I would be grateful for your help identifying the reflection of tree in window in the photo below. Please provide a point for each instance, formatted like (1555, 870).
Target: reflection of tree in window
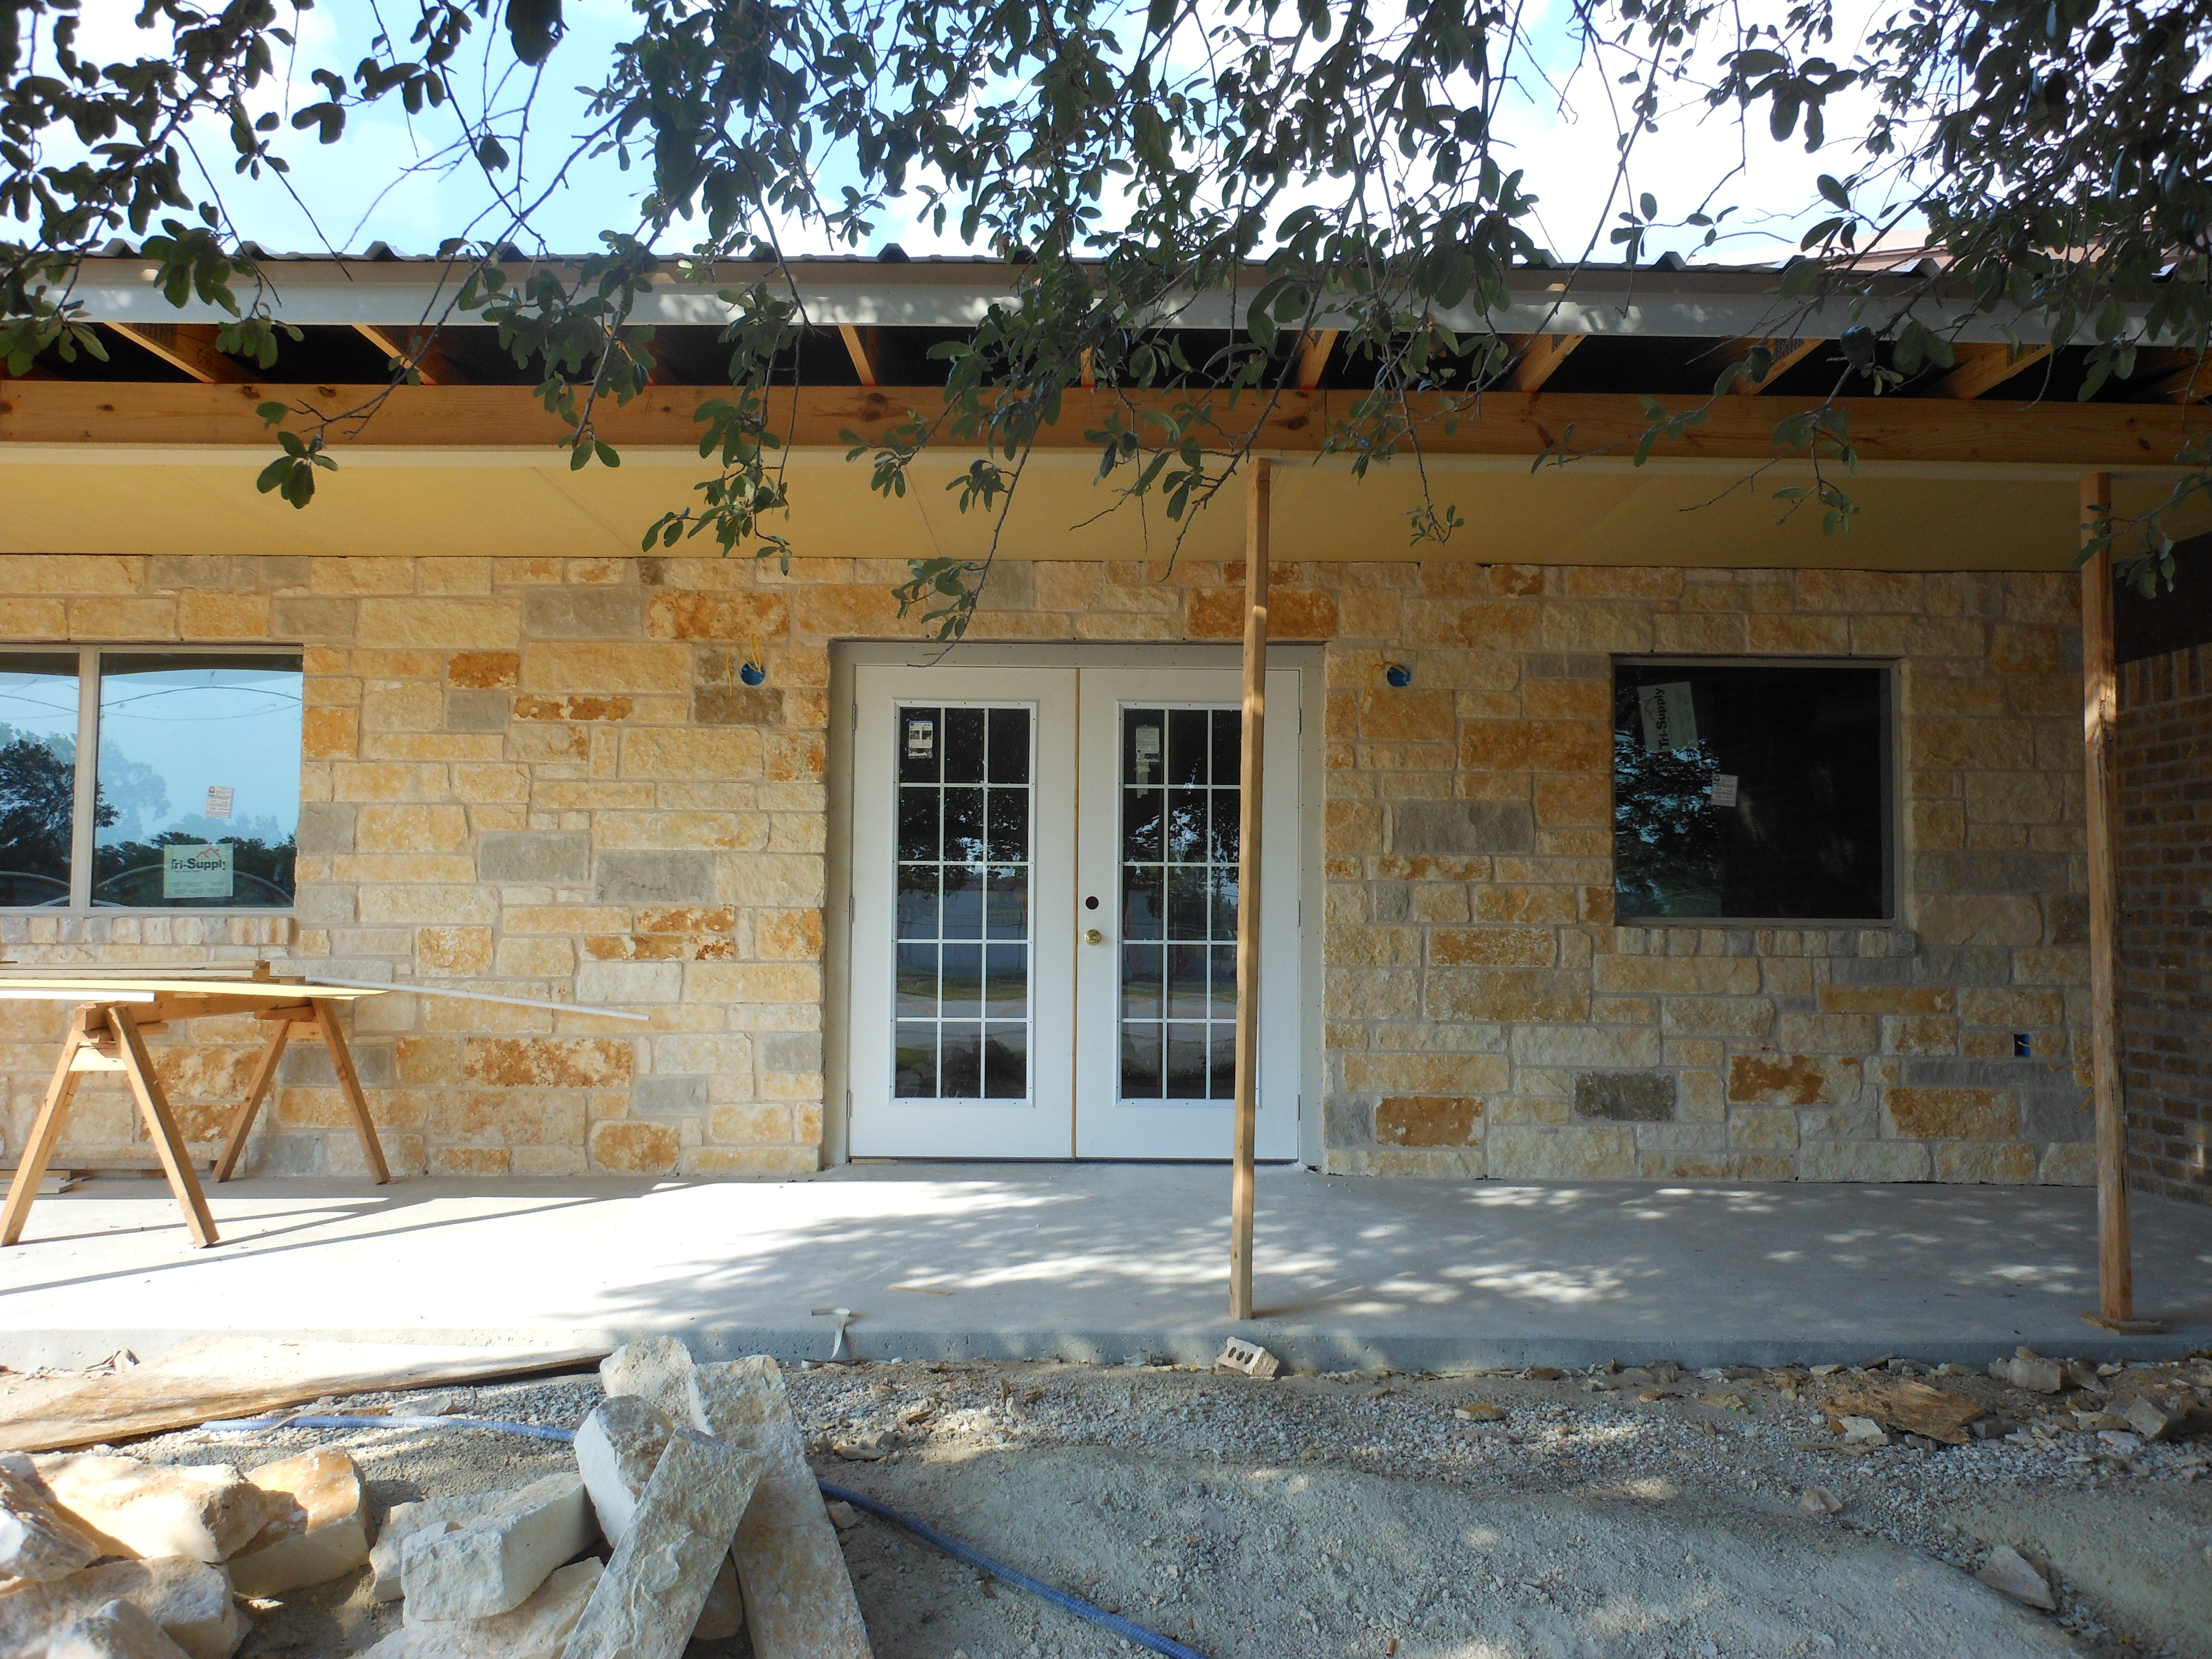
(1667, 850)
(38, 807)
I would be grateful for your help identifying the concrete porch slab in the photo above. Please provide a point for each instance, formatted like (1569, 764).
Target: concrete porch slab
(1105, 1262)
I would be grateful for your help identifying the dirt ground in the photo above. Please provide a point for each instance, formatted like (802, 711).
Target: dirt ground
(1635, 1513)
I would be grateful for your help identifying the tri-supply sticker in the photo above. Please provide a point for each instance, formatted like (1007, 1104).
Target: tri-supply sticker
(219, 797)
(1670, 717)
(1724, 788)
(202, 871)
(920, 738)
(1148, 751)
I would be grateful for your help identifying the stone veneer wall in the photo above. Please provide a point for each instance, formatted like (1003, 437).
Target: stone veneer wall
(543, 776)
(2165, 921)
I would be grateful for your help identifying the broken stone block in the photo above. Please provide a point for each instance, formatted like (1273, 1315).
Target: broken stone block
(317, 1530)
(538, 1629)
(2032, 1372)
(2153, 1421)
(650, 1598)
(206, 1512)
(492, 1564)
(39, 1541)
(189, 1599)
(653, 1369)
(798, 1597)
(1818, 1500)
(2009, 1573)
(1862, 1431)
(402, 1520)
(1479, 1411)
(617, 1448)
(117, 1630)
(2081, 1374)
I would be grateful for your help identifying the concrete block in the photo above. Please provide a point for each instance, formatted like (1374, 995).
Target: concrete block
(491, 1564)
(39, 1541)
(658, 1370)
(316, 1528)
(798, 1597)
(649, 1601)
(191, 1602)
(655, 878)
(117, 1630)
(519, 855)
(538, 1629)
(206, 1512)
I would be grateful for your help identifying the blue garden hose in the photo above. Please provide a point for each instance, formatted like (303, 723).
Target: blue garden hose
(1151, 1639)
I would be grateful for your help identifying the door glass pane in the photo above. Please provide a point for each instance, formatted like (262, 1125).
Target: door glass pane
(962, 1008)
(1179, 805)
(199, 780)
(38, 775)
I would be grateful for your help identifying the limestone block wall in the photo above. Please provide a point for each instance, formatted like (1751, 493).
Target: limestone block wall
(545, 777)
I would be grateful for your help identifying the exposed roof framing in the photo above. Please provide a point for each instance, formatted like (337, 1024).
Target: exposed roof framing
(1785, 356)
(1313, 358)
(1540, 355)
(1983, 367)
(861, 346)
(189, 347)
(429, 362)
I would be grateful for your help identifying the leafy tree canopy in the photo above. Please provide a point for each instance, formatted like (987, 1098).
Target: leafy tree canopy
(1127, 156)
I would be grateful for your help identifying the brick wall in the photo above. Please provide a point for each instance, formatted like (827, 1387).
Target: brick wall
(2165, 921)
(543, 777)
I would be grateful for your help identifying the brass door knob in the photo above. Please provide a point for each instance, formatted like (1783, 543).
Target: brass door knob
(1092, 936)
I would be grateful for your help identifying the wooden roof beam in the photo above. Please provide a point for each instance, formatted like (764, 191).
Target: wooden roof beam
(429, 362)
(1984, 367)
(189, 347)
(861, 346)
(1541, 354)
(2188, 383)
(1313, 357)
(1784, 355)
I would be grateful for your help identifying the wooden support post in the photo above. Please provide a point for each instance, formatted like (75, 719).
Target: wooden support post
(2116, 1296)
(326, 1022)
(160, 1124)
(264, 1074)
(1251, 781)
(45, 1131)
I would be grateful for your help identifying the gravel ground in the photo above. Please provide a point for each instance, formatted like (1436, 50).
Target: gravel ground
(1634, 1513)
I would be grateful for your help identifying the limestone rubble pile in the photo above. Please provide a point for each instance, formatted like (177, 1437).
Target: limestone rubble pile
(695, 1477)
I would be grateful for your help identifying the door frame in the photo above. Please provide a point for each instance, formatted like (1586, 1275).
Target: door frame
(846, 656)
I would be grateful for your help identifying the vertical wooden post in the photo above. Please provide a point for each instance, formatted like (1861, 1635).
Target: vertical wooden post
(1250, 781)
(2116, 1296)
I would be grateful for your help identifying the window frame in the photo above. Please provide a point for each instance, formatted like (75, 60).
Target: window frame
(1892, 773)
(83, 833)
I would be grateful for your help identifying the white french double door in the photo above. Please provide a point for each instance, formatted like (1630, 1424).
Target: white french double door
(1045, 910)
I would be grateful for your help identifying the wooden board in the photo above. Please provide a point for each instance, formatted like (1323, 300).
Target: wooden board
(95, 986)
(215, 1376)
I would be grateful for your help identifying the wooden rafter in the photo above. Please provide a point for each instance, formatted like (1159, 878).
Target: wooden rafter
(2190, 380)
(429, 362)
(861, 346)
(187, 346)
(1984, 367)
(1313, 357)
(1785, 355)
(1541, 354)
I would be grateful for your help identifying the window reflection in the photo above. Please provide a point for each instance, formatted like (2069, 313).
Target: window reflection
(38, 775)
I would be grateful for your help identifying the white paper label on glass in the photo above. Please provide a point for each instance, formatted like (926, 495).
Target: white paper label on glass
(1670, 717)
(219, 798)
(196, 870)
(920, 739)
(1724, 788)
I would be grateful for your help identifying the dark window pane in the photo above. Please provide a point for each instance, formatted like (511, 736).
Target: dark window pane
(918, 822)
(1187, 998)
(199, 773)
(1009, 745)
(1006, 981)
(1187, 905)
(919, 737)
(1009, 811)
(964, 824)
(917, 981)
(1224, 903)
(1189, 747)
(38, 777)
(961, 1051)
(963, 746)
(1188, 1065)
(1221, 1084)
(1141, 981)
(1141, 1062)
(963, 900)
(1226, 828)
(1751, 792)
(914, 1062)
(1228, 746)
(1140, 824)
(1006, 1061)
(962, 990)
(1186, 826)
(1140, 902)
(1223, 998)
(1143, 746)
(917, 900)
(1007, 915)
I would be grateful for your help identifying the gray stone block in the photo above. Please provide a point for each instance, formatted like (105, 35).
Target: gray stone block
(797, 1052)
(310, 620)
(1962, 965)
(478, 711)
(324, 904)
(583, 613)
(669, 1096)
(307, 1064)
(1389, 902)
(523, 855)
(1346, 1121)
(737, 705)
(655, 878)
(2047, 1114)
(1989, 870)
(1626, 1096)
(1464, 827)
(1949, 1072)
(327, 827)
(1870, 970)
(276, 569)
(205, 573)
(284, 1155)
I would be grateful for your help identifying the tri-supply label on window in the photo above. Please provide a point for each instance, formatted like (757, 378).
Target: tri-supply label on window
(1148, 751)
(196, 870)
(1670, 717)
(1724, 788)
(920, 738)
(219, 797)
